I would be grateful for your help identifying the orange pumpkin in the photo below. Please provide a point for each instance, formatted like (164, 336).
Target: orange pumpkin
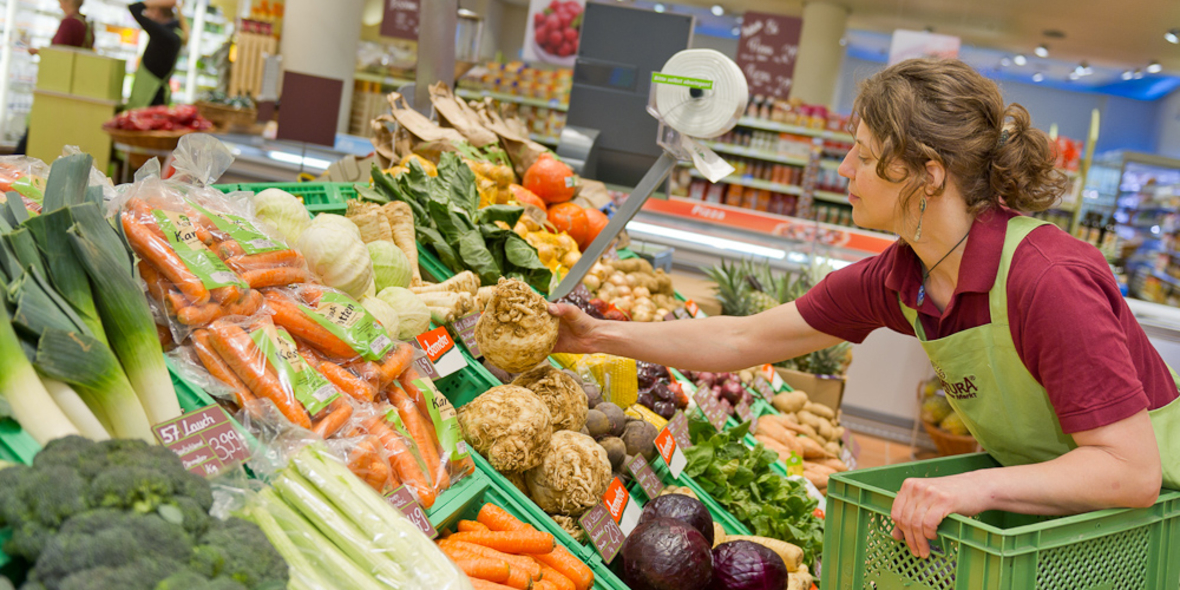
(550, 179)
(595, 221)
(571, 219)
(525, 196)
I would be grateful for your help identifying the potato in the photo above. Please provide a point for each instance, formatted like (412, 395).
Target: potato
(809, 419)
(824, 428)
(812, 449)
(838, 433)
(820, 410)
(832, 447)
(789, 401)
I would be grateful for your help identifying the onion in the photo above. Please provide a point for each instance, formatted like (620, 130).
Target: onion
(707, 377)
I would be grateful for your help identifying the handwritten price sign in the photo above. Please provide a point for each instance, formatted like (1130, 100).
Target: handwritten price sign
(642, 472)
(714, 412)
(404, 501)
(205, 440)
(604, 532)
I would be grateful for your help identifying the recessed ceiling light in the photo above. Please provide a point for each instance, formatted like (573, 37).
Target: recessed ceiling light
(1005, 62)
(1173, 36)
(1154, 67)
(737, 31)
(1074, 75)
(1083, 69)
(1019, 59)
(658, 7)
(718, 10)
(1038, 77)
(1042, 50)
(1137, 74)
(1127, 75)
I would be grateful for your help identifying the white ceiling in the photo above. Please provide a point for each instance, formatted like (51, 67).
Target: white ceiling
(1112, 33)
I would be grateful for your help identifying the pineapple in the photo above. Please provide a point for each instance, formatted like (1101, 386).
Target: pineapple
(746, 289)
(733, 291)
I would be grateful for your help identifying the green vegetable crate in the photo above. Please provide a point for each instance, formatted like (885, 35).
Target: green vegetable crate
(1104, 550)
(318, 197)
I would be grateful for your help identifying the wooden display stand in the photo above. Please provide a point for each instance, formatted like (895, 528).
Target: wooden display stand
(77, 91)
(821, 389)
(252, 51)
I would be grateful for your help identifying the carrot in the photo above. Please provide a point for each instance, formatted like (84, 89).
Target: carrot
(248, 305)
(229, 248)
(571, 567)
(367, 370)
(514, 577)
(395, 364)
(367, 463)
(157, 286)
(402, 460)
(422, 431)
(156, 251)
(510, 541)
(201, 224)
(340, 412)
(544, 584)
(485, 569)
(226, 295)
(471, 525)
(174, 300)
(265, 260)
(559, 580)
(311, 293)
(238, 351)
(407, 382)
(359, 389)
(199, 315)
(518, 562)
(481, 584)
(497, 519)
(288, 315)
(274, 277)
(217, 367)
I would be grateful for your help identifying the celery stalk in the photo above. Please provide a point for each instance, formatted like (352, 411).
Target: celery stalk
(125, 314)
(71, 404)
(358, 545)
(304, 547)
(19, 386)
(377, 518)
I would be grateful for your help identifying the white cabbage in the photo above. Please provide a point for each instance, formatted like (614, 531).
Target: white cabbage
(391, 268)
(282, 212)
(413, 315)
(336, 255)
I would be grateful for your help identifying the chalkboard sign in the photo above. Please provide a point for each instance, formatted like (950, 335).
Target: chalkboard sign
(767, 51)
(401, 19)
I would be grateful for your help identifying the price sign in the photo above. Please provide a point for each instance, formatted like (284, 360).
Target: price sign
(669, 444)
(714, 412)
(440, 349)
(764, 388)
(771, 375)
(642, 472)
(205, 440)
(618, 501)
(604, 532)
(465, 329)
(403, 499)
(692, 308)
(746, 414)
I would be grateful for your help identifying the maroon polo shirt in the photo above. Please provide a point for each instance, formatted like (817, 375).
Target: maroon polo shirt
(1071, 326)
(74, 32)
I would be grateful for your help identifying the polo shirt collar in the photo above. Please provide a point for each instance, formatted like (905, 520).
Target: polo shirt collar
(977, 271)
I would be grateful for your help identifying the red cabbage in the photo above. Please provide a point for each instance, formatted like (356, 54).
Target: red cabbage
(744, 565)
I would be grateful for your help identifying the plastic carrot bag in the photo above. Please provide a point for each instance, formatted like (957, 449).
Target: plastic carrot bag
(407, 467)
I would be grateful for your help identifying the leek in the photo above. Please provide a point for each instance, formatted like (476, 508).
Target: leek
(65, 271)
(378, 519)
(76, 410)
(304, 547)
(124, 311)
(357, 545)
(85, 363)
(30, 404)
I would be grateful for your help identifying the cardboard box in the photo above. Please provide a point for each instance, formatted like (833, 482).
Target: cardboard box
(55, 73)
(98, 77)
(822, 389)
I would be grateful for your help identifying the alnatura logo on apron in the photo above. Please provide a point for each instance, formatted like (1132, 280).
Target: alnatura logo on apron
(965, 389)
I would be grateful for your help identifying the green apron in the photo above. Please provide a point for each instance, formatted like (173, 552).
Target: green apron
(145, 87)
(1003, 406)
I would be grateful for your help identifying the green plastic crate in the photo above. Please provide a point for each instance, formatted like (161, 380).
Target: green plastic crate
(1104, 550)
(16, 446)
(318, 197)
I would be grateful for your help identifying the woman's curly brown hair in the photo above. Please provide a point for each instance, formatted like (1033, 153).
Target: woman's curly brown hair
(943, 110)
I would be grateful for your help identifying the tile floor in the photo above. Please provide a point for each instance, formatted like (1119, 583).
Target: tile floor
(876, 452)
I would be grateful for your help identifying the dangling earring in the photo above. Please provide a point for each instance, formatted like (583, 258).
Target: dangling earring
(921, 214)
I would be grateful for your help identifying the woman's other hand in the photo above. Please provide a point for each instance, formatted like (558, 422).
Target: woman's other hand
(922, 504)
(576, 330)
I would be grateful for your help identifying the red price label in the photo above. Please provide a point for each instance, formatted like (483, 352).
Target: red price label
(403, 499)
(693, 309)
(205, 440)
(668, 444)
(618, 502)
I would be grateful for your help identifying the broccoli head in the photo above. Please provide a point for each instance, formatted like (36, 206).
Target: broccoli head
(187, 513)
(142, 574)
(188, 580)
(34, 502)
(239, 550)
(110, 539)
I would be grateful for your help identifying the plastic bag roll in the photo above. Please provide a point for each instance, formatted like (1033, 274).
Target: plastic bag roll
(699, 112)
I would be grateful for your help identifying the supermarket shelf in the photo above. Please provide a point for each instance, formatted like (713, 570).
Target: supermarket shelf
(783, 128)
(789, 189)
(544, 139)
(829, 163)
(831, 197)
(478, 94)
(379, 79)
(1170, 280)
(767, 155)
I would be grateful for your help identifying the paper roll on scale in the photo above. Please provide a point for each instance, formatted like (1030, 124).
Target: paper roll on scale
(702, 112)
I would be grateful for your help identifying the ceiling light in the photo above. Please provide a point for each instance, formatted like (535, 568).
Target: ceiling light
(1127, 75)
(658, 7)
(718, 10)
(1074, 75)
(736, 31)
(1005, 62)
(1042, 50)
(1019, 59)
(1137, 74)
(843, 41)
(1154, 67)
(1038, 77)
(1173, 36)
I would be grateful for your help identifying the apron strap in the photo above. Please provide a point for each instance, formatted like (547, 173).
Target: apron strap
(911, 316)
(1018, 228)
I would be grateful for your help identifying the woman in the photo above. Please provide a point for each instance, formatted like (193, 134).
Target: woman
(1024, 324)
(166, 36)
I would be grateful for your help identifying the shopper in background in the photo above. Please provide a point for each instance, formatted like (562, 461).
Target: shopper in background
(73, 31)
(167, 31)
(1025, 326)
